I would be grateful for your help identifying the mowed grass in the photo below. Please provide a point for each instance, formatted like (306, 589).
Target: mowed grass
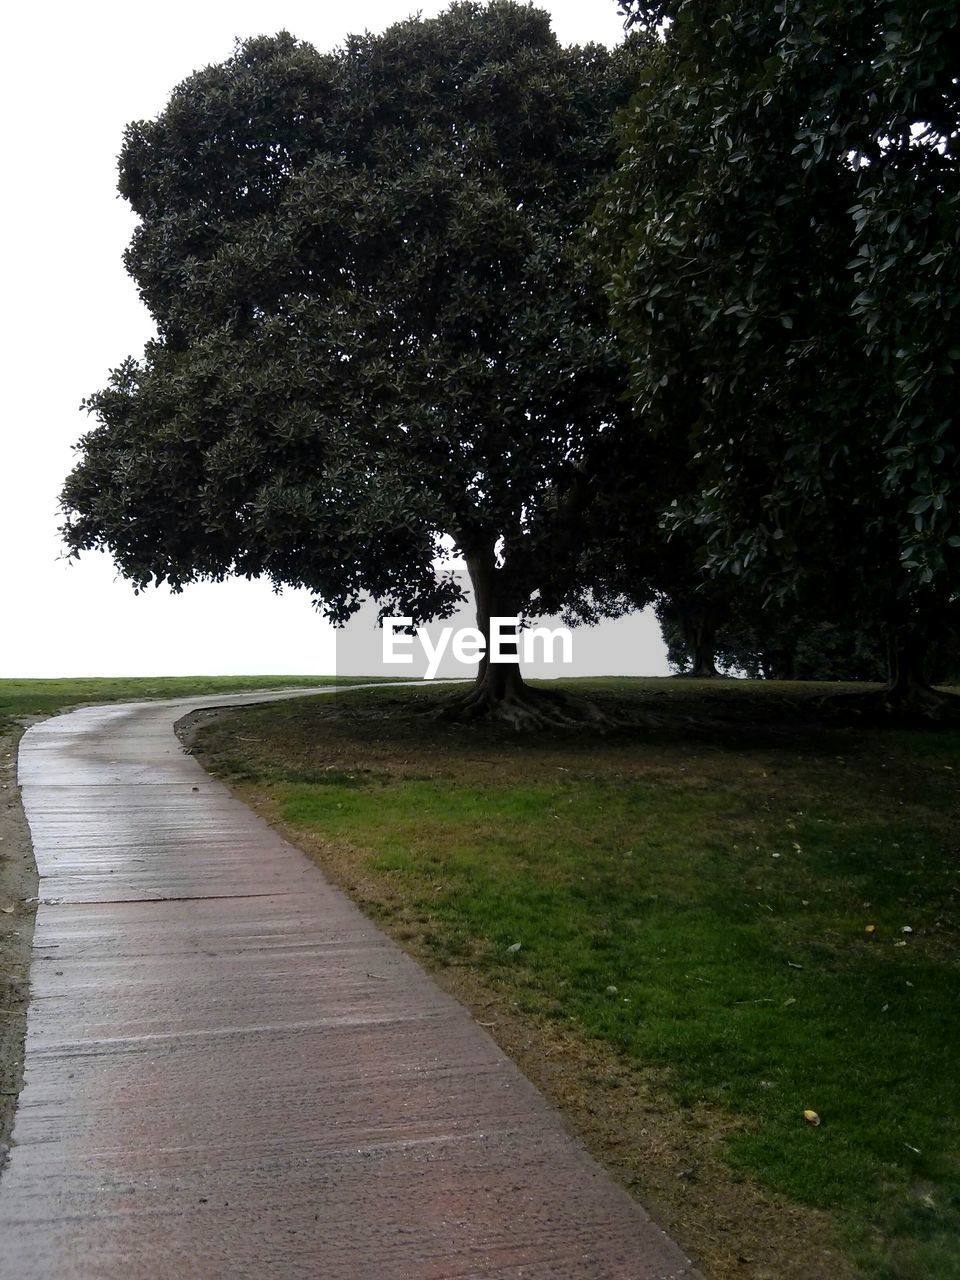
(46, 697)
(763, 907)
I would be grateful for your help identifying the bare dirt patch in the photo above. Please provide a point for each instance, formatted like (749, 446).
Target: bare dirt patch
(18, 890)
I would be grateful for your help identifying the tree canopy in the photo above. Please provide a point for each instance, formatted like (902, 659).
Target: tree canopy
(672, 322)
(783, 234)
(376, 334)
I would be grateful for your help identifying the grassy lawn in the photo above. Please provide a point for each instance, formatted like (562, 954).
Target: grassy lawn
(739, 906)
(46, 697)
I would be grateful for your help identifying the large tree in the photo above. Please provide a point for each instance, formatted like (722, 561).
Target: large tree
(377, 335)
(786, 276)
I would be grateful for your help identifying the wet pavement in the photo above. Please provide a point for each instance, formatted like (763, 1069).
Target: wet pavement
(230, 1072)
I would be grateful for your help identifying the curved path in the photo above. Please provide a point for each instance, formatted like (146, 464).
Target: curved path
(230, 1072)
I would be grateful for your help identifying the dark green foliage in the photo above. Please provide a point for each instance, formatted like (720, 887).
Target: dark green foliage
(374, 327)
(780, 645)
(782, 238)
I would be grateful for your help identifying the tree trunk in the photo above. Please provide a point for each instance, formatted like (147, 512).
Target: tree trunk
(908, 693)
(497, 680)
(499, 691)
(779, 664)
(699, 634)
(907, 686)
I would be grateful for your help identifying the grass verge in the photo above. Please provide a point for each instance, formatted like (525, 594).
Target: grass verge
(46, 697)
(737, 912)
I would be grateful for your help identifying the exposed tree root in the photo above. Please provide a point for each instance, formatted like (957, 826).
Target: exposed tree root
(524, 707)
(910, 704)
(920, 700)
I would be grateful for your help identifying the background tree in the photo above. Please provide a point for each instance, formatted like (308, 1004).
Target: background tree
(625, 557)
(785, 223)
(780, 644)
(376, 330)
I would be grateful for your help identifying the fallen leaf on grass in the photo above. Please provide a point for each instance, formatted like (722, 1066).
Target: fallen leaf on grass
(514, 947)
(811, 1117)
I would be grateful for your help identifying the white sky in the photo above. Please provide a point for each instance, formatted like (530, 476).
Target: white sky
(74, 76)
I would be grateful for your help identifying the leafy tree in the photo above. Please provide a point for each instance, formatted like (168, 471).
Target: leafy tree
(691, 628)
(772, 644)
(625, 559)
(377, 336)
(784, 226)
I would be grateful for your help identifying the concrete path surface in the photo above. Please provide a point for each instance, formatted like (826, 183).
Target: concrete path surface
(230, 1072)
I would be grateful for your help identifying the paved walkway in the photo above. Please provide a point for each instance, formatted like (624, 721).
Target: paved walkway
(230, 1072)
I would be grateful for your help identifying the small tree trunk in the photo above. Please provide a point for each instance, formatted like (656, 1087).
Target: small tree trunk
(779, 664)
(699, 633)
(907, 686)
(907, 692)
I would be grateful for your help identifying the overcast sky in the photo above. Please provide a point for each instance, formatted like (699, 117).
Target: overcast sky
(74, 76)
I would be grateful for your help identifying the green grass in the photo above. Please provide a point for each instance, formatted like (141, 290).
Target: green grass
(702, 906)
(46, 697)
